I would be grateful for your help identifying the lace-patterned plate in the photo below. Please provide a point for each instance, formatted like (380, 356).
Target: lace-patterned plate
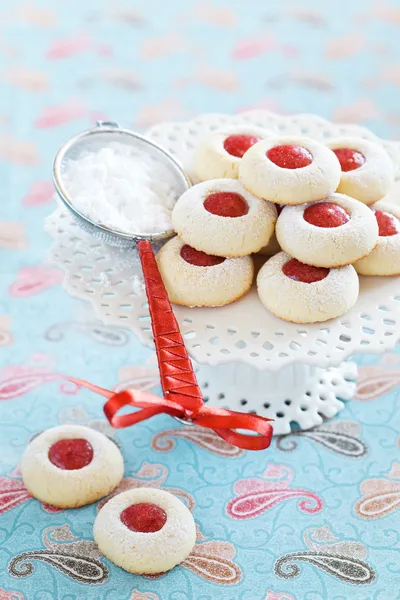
(243, 331)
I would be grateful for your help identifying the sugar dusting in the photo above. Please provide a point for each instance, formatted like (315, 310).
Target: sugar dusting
(121, 188)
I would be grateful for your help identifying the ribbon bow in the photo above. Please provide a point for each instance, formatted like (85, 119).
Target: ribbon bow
(221, 420)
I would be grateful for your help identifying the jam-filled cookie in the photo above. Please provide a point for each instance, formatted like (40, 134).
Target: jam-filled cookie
(220, 217)
(145, 531)
(194, 278)
(71, 465)
(334, 232)
(219, 154)
(367, 169)
(290, 170)
(301, 293)
(385, 257)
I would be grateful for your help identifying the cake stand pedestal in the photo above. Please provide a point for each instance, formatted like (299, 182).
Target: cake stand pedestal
(297, 396)
(246, 359)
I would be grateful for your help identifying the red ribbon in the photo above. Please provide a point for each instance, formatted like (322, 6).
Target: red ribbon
(222, 421)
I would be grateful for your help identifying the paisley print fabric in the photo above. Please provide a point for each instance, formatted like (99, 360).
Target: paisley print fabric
(315, 517)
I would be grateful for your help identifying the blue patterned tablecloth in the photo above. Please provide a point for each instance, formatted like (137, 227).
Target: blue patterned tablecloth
(317, 516)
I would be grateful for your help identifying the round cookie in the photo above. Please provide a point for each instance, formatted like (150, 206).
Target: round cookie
(334, 232)
(385, 257)
(71, 465)
(300, 293)
(219, 154)
(220, 217)
(290, 170)
(145, 531)
(367, 169)
(193, 278)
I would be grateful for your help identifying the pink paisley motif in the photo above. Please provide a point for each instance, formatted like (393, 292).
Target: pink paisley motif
(251, 47)
(10, 595)
(257, 495)
(18, 152)
(278, 596)
(213, 561)
(38, 363)
(360, 110)
(41, 17)
(40, 192)
(161, 46)
(254, 504)
(12, 235)
(275, 477)
(380, 497)
(27, 79)
(374, 381)
(136, 595)
(214, 15)
(218, 79)
(20, 385)
(150, 114)
(53, 116)
(17, 380)
(205, 438)
(389, 359)
(339, 48)
(34, 280)
(68, 46)
(6, 337)
(141, 377)
(12, 493)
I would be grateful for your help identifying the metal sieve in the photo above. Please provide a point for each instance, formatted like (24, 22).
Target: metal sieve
(94, 139)
(177, 376)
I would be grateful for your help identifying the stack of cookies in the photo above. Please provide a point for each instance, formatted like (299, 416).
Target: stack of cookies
(313, 206)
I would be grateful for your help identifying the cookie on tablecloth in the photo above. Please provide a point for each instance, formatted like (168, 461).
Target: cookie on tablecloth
(194, 278)
(71, 465)
(145, 531)
(301, 293)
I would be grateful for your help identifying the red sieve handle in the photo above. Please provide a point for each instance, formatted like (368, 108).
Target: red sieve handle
(178, 380)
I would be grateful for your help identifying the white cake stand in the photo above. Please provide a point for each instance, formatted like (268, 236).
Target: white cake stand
(246, 358)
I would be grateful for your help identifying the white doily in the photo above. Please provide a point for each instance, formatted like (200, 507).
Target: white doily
(244, 331)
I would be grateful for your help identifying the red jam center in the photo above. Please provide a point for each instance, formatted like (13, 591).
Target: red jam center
(144, 517)
(388, 224)
(226, 204)
(305, 273)
(71, 454)
(198, 258)
(290, 156)
(326, 214)
(238, 144)
(349, 159)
